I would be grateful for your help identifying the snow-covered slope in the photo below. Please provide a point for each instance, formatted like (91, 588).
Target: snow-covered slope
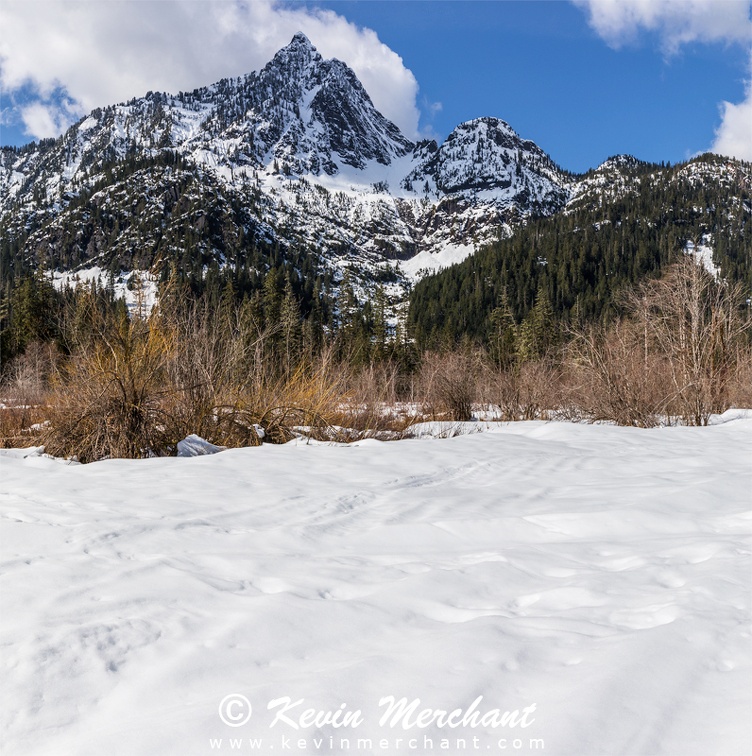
(488, 158)
(598, 574)
(612, 179)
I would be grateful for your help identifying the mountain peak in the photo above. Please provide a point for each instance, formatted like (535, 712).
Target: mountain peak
(615, 162)
(303, 118)
(490, 122)
(300, 41)
(305, 114)
(300, 48)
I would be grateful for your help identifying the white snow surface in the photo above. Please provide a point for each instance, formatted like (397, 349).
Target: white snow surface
(427, 262)
(703, 254)
(140, 296)
(195, 446)
(599, 574)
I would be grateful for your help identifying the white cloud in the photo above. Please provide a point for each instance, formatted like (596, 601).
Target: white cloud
(734, 136)
(100, 52)
(676, 21)
(45, 120)
(679, 22)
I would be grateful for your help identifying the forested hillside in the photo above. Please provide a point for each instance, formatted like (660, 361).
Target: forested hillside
(575, 264)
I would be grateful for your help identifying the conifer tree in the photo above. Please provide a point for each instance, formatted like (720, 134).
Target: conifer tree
(538, 331)
(503, 333)
(290, 325)
(380, 328)
(31, 311)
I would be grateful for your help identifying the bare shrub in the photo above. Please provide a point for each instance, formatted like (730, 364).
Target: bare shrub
(614, 377)
(374, 406)
(25, 383)
(106, 401)
(217, 359)
(309, 397)
(524, 391)
(696, 323)
(739, 386)
(26, 378)
(225, 380)
(21, 425)
(448, 384)
(679, 353)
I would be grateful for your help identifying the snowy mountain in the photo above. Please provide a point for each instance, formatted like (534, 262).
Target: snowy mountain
(486, 157)
(625, 221)
(293, 161)
(299, 145)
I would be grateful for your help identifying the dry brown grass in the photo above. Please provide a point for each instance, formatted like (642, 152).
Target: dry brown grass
(142, 386)
(21, 425)
(310, 397)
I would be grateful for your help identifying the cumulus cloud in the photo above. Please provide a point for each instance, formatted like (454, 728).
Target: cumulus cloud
(99, 52)
(734, 136)
(678, 22)
(45, 119)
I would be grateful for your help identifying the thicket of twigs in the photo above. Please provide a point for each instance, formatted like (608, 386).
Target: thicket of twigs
(133, 387)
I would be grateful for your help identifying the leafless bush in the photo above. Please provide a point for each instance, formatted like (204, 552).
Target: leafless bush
(695, 322)
(223, 383)
(739, 386)
(135, 388)
(374, 405)
(525, 391)
(448, 384)
(23, 391)
(107, 400)
(216, 359)
(612, 376)
(311, 396)
(26, 378)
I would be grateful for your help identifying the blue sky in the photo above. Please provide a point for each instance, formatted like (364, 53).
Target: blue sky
(540, 67)
(584, 79)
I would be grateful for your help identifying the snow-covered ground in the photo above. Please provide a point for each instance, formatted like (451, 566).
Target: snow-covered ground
(139, 288)
(594, 579)
(427, 262)
(703, 254)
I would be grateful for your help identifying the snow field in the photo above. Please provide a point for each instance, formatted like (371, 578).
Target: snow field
(601, 574)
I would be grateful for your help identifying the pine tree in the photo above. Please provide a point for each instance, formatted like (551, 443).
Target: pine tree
(289, 319)
(313, 327)
(503, 333)
(31, 311)
(380, 326)
(538, 332)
